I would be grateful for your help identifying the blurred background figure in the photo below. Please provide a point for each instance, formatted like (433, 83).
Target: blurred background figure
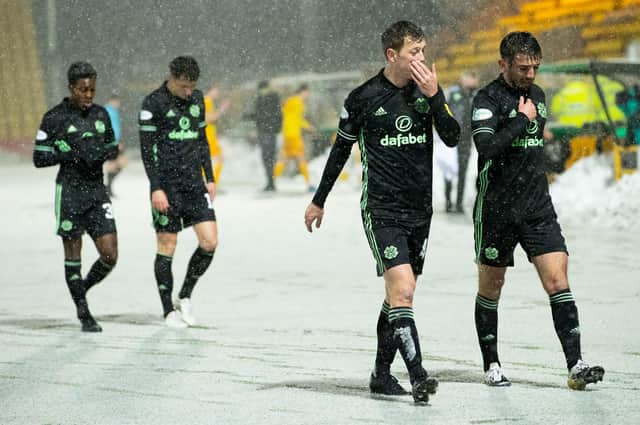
(268, 118)
(447, 160)
(114, 167)
(293, 125)
(460, 99)
(212, 114)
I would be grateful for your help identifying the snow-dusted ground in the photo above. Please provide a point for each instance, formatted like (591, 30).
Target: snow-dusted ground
(287, 332)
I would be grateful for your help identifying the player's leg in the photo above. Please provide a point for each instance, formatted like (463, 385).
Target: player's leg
(107, 247)
(389, 244)
(201, 215)
(381, 380)
(69, 208)
(73, 277)
(490, 282)
(207, 233)
(545, 245)
(101, 226)
(166, 246)
(495, 243)
(400, 285)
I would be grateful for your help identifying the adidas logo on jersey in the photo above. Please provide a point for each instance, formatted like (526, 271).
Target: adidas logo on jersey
(380, 112)
(513, 113)
(72, 129)
(171, 114)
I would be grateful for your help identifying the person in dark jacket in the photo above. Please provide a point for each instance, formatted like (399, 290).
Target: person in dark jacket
(268, 117)
(460, 100)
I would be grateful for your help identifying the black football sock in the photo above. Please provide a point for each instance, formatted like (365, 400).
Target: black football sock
(198, 264)
(73, 277)
(97, 273)
(386, 350)
(405, 338)
(486, 317)
(565, 320)
(164, 279)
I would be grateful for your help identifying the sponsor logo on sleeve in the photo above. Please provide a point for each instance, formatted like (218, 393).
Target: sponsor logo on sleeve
(481, 114)
(145, 115)
(344, 114)
(41, 135)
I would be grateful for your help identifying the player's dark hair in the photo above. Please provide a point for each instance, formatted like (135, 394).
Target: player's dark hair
(263, 84)
(519, 42)
(302, 87)
(185, 66)
(80, 70)
(393, 37)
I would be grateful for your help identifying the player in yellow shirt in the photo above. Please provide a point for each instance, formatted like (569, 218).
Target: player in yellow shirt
(211, 117)
(293, 124)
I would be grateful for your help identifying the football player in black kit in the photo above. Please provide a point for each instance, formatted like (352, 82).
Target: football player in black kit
(175, 153)
(77, 135)
(391, 118)
(513, 206)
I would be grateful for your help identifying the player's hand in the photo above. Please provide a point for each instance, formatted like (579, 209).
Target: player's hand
(159, 201)
(425, 78)
(313, 213)
(527, 108)
(211, 189)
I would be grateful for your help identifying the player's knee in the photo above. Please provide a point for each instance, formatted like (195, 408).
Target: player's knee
(167, 246)
(404, 295)
(491, 287)
(557, 283)
(209, 245)
(110, 256)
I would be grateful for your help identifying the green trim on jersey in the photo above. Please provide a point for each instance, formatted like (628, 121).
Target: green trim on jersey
(41, 148)
(368, 226)
(484, 184)
(149, 128)
(58, 203)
